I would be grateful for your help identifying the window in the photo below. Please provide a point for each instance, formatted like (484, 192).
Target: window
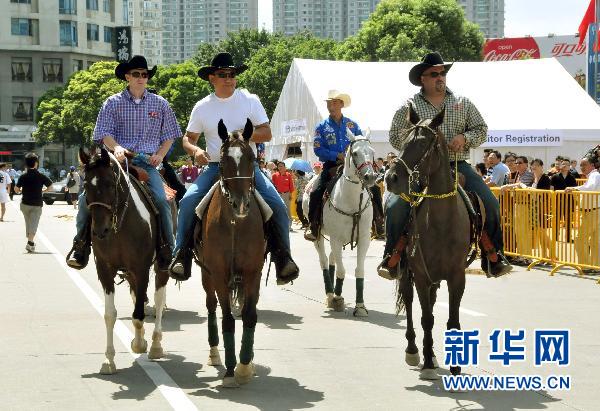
(67, 6)
(21, 1)
(106, 6)
(68, 33)
(21, 27)
(22, 108)
(77, 65)
(91, 4)
(93, 32)
(21, 69)
(52, 70)
(108, 34)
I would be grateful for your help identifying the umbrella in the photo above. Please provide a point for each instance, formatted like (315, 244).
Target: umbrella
(297, 164)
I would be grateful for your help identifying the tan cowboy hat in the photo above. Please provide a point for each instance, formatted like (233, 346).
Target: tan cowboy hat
(336, 95)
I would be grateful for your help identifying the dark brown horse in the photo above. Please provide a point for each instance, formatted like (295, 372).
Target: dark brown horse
(124, 238)
(439, 233)
(231, 253)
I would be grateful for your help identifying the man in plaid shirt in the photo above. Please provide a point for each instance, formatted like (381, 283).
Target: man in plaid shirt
(140, 122)
(464, 128)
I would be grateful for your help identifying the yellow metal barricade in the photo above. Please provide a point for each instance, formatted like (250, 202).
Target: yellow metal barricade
(580, 181)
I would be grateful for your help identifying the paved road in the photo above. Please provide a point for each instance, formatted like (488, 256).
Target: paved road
(53, 339)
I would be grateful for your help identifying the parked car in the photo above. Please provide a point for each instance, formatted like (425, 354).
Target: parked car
(57, 192)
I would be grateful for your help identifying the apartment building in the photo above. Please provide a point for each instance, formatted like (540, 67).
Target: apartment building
(489, 14)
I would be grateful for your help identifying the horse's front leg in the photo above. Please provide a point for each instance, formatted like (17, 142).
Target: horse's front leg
(326, 268)
(245, 369)
(110, 317)
(412, 357)
(336, 251)
(428, 371)
(361, 253)
(456, 287)
(228, 326)
(139, 345)
(214, 358)
(432, 299)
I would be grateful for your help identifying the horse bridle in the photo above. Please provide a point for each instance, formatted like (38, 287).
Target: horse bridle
(222, 180)
(117, 219)
(357, 166)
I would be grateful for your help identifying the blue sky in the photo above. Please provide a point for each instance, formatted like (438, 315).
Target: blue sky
(522, 17)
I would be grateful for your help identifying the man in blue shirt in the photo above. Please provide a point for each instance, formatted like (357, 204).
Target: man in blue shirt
(330, 145)
(140, 122)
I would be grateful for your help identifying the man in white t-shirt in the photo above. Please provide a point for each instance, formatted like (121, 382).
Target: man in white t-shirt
(234, 107)
(5, 182)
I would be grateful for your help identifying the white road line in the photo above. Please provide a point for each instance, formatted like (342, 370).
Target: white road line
(168, 388)
(462, 310)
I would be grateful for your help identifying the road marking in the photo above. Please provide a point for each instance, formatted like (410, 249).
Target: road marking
(168, 388)
(462, 310)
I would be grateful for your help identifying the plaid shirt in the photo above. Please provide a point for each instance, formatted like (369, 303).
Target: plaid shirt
(462, 117)
(142, 127)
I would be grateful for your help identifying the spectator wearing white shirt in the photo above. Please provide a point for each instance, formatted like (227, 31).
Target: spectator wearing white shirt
(499, 170)
(5, 182)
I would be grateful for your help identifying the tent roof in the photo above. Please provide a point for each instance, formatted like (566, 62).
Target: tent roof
(511, 95)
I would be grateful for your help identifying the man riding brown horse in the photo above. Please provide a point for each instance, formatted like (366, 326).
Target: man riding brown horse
(464, 128)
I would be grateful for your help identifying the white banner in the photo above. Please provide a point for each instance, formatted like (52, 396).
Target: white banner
(296, 127)
(508, 138)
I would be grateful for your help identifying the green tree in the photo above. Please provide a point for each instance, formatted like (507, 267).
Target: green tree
(405, 30)
(48, 115)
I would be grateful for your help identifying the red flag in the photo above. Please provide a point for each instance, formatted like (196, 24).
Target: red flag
(588, 18)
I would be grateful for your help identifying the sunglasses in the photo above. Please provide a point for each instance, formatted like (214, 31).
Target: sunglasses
(519, 162)
(436, 74)
(225, 75)
(138, 74)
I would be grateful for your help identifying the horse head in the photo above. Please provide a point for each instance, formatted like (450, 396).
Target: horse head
(359, 159)
(102, 191)
(237, 167)
(423, 152)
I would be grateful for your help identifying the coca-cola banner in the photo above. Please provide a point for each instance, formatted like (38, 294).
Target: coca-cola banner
(571, 56)
(511, 138)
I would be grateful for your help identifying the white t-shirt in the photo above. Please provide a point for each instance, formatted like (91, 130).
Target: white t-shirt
(592, 183)
(233, 110)
(4, 181)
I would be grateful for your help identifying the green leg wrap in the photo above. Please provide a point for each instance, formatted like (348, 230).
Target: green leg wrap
(247, 352)
(339, 283)
(360, 285)
(213, 330)
(229, 342)
(332, 274)
(328, 282)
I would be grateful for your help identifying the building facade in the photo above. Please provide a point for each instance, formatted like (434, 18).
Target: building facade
(145, 19)
(43, 42)
(336, 19)
(187, 23)
(489, 14)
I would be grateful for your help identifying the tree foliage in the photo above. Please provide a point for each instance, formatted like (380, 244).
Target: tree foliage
(405, 30)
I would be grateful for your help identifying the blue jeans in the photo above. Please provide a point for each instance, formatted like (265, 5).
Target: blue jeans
(397, 211)
(200, 187)
(155, 183)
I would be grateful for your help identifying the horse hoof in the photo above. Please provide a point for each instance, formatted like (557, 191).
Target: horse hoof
(149, 311)
(412, 359)
(244, 373)
(435, 362)
(139, 348)
(455, 370)
(329, 300)
(360, 310)
(236, 311)
(429, 374)
(108, 368)
(156, 353)
(338, 303)
(214, 358)
(230, 382)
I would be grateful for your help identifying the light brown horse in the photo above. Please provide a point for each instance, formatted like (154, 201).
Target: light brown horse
(231, 252)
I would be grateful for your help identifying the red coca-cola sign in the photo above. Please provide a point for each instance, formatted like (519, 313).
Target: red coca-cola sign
(511, 49)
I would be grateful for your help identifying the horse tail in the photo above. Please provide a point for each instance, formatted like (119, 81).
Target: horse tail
(406, 280)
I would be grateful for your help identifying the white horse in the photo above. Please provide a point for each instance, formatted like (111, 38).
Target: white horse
(347, 217)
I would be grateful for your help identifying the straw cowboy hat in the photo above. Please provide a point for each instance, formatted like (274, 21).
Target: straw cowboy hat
(136, 62)
(336, 95)
(430, 60)
(222, 60)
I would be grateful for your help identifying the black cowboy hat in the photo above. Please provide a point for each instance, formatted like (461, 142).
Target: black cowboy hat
(430, 60)
(222, 60)
(136, 62)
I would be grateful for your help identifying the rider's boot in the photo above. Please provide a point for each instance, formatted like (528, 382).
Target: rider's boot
(496, 262)
(313, 231)
(286, 269)
(388, 268)
(79, 255)
(180, 268)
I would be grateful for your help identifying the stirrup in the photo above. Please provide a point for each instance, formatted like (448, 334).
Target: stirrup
(183, 273)
(386, 272)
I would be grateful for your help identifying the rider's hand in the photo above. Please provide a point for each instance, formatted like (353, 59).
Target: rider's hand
(119, 153)
(341, 156)
(457, 144)
(201, 157)
(155, 160)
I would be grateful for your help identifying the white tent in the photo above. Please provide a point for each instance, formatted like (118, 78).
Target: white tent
(532, 107)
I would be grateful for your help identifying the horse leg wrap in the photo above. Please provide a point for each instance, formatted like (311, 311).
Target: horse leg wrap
(247, 352)
(328, 282)
(488, 247)
(339, 284)
(332, 274)
(360, 286)
(229, 343)
(397, 252)
(213, 330)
